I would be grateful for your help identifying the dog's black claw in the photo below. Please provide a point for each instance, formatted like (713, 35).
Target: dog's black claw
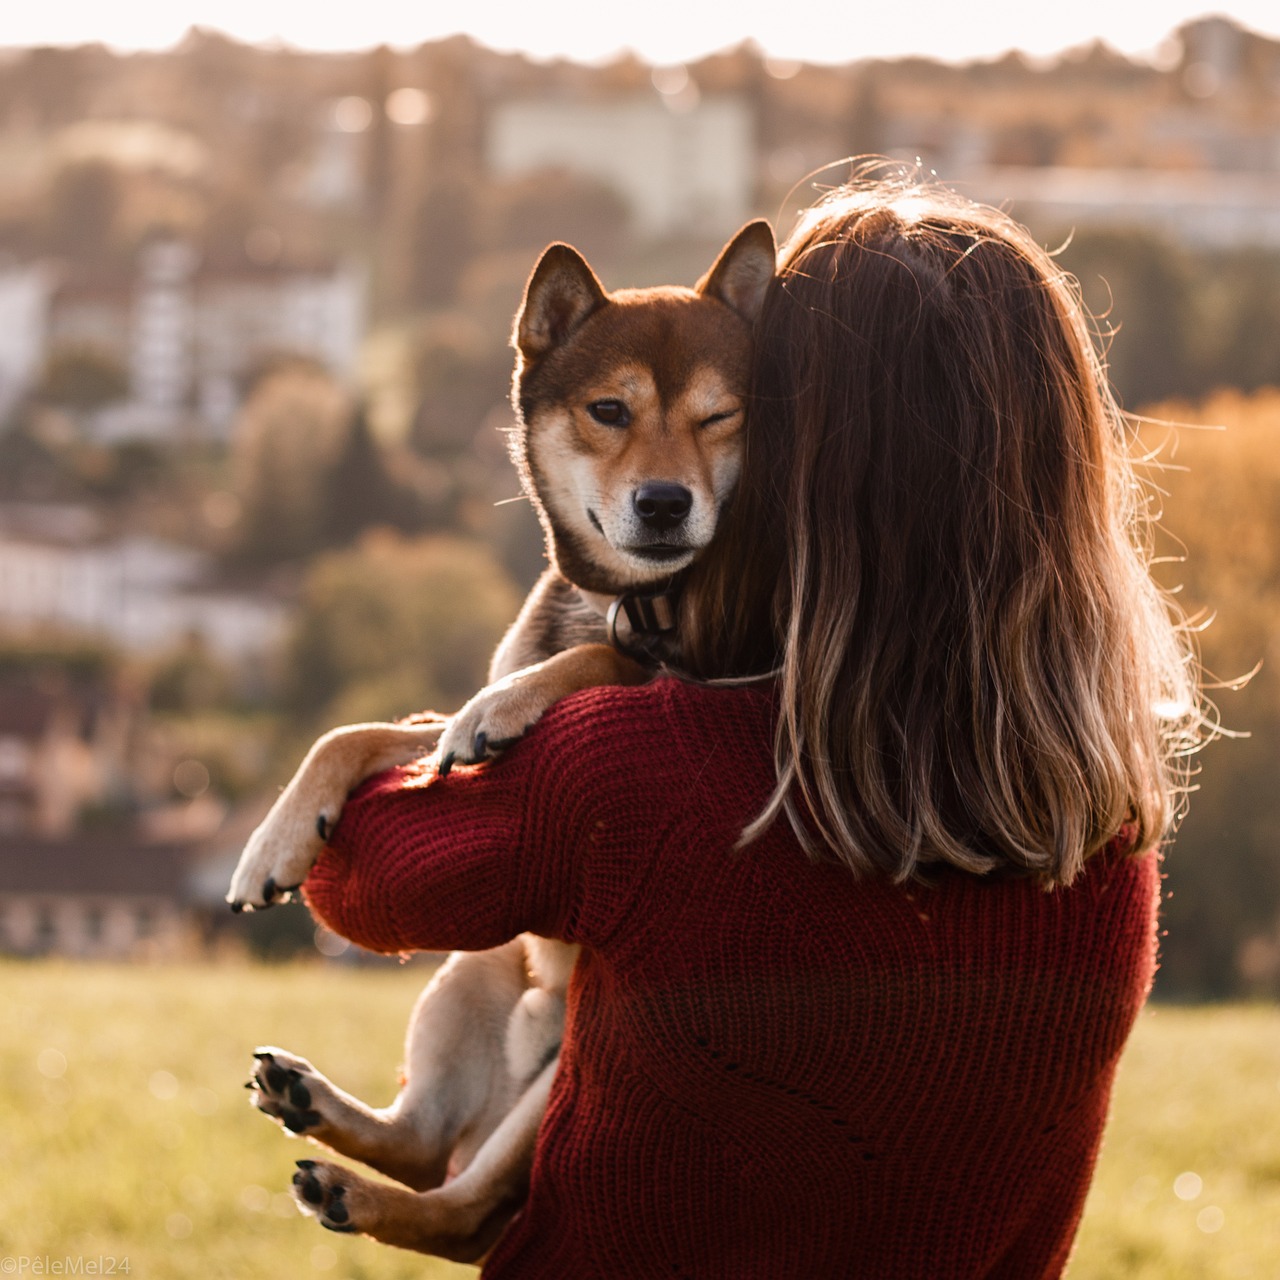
(305, 1164)
(264, 1055)
(445, 765)
(480, 747)
(322, 827)
(312, 1191)
(346, 1231)
(337, 1212)
(299, 1095)
(237, 907)
(250, 1084)
(269, 889)
(276, 1078)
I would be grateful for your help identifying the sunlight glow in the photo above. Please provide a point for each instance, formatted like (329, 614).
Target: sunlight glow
(669, 32)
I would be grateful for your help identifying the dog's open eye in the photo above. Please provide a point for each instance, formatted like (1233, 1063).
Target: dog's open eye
(610, 413)
(723, 416)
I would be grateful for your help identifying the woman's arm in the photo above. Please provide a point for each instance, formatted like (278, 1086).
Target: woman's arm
(557, 837)
(437, 864)
(543, 840)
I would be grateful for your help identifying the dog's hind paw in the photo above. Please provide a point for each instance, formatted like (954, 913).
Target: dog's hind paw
(288, 1089)
(320, 1190)
(440, 1221)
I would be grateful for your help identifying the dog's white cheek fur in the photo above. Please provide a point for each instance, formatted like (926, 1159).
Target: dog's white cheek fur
(724, 476)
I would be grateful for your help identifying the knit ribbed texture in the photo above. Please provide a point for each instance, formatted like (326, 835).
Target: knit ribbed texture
(771, 1069)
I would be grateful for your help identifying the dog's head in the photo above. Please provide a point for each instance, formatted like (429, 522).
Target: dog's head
(630, 407)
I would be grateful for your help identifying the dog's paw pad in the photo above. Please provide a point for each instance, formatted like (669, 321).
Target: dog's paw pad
(320, 1191)
(286, 1088)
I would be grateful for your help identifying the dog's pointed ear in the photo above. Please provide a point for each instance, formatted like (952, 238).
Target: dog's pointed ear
(562, 292)
(742, 272)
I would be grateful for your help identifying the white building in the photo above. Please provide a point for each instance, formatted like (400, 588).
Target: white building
(238, 318)
(141, 593)
(189, 336)
(25, 291)
(1216, 209)
(680, 171)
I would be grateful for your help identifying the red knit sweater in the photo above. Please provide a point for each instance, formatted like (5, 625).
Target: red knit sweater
(771, 1068)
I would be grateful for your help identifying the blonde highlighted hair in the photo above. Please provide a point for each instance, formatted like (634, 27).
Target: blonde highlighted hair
(939, 539)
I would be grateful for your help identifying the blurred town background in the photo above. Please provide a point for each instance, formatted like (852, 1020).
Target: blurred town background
(254, 312)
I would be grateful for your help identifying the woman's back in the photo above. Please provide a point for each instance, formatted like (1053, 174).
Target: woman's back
(770, 1068)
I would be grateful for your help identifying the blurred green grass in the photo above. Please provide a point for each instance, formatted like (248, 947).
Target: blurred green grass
(124, 1131)
(143, 1145)
(1198, 1094)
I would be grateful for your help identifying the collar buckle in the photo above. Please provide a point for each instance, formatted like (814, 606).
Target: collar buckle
(649, 617)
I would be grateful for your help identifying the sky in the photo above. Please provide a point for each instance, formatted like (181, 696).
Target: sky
(661, 31)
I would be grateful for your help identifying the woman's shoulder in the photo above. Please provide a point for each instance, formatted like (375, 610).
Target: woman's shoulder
(666, 705)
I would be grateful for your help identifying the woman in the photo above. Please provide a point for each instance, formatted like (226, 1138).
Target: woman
(861, 942)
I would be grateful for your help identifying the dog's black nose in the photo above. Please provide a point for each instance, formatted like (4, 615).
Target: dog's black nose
(662, 506)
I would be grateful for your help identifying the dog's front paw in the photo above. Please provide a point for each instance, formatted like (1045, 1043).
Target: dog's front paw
(278, 856)
(322, 1190)
(494, 719)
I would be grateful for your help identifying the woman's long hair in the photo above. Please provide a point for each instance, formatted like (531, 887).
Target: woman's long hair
(939, 539)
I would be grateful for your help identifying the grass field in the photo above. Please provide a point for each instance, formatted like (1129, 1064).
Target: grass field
(124, 1132)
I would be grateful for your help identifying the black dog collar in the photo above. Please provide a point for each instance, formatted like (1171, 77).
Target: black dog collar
(649, 616)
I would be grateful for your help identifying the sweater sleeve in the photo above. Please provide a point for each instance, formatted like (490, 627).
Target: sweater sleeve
(533, 842)
(437, 864)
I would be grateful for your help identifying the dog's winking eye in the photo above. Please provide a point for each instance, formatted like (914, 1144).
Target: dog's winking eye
(610, 413)
(722, 416)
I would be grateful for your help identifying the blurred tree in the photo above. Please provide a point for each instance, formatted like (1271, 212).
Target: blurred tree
(1028, 142)
(867, 123)
(1144, 289)
(360, 491)
(1223, 499)
(394, 626)
(1239, 297)
(309, 472)
(442, 244)
(84, 204)
(191, 679)
(460, 374)
(82, 377)
(286, 442)
(31, 469)
(553, 204)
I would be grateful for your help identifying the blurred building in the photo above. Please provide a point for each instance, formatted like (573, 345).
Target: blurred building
(98, 859)
(25, 291)
(63, 747)
(681, 171)
(240, 318)
(146, 595)
(1197, 207)
(95, 897)
(190, 337)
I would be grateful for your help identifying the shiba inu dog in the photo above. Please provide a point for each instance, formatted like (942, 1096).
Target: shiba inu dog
(629, 414)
